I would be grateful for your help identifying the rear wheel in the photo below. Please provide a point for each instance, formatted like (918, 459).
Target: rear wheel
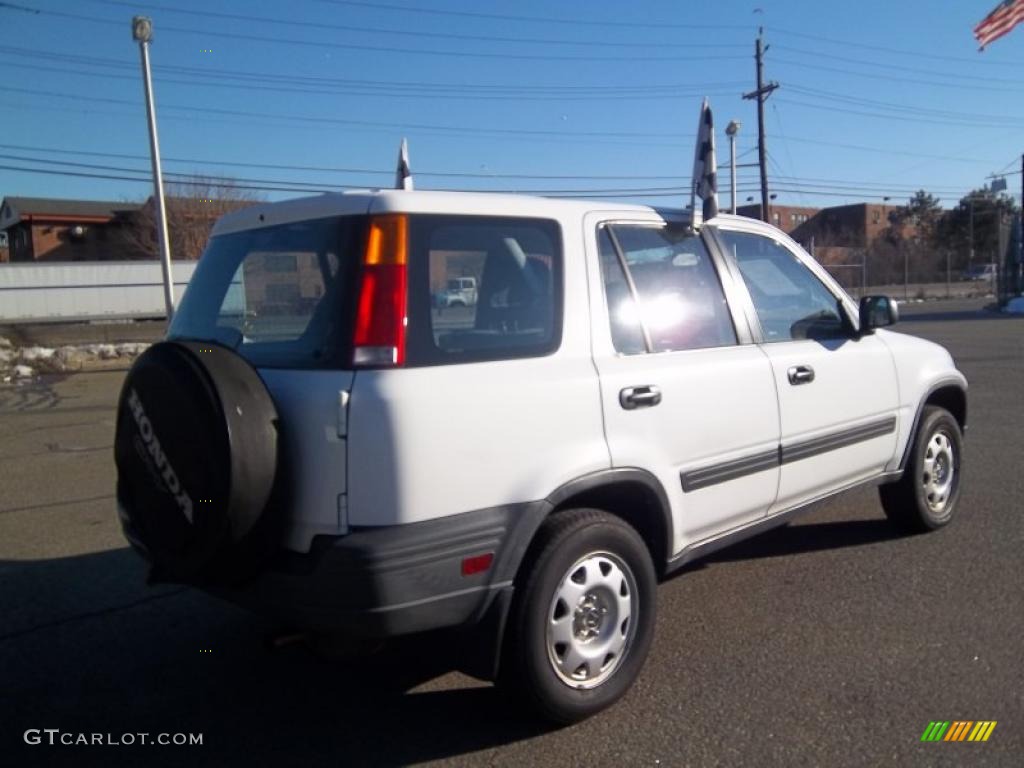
(925, 498)
(583, 616)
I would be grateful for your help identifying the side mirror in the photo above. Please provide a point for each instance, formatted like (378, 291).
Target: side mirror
(877, 312)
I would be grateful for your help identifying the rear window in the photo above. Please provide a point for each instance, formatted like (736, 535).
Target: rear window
(278, 295)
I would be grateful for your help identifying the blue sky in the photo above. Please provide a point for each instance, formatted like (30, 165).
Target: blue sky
(877, 98)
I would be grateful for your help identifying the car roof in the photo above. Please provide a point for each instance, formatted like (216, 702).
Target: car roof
(426, 201)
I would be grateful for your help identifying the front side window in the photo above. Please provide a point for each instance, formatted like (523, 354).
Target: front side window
(790, 301)
(483, 288)
(671, 291)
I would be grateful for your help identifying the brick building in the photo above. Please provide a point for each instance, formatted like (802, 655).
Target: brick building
(785, 217)
(848, 226)
(841, 226)
(40, 229)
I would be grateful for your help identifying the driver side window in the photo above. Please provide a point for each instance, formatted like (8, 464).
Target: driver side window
(790, 301)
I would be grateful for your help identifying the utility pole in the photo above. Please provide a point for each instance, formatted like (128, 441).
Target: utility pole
(762, 92)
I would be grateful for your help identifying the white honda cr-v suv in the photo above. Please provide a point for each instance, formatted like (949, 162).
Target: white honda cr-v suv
(319, 440)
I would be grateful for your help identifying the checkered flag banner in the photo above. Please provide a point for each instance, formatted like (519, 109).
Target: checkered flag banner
(403, 176)
(705, 166)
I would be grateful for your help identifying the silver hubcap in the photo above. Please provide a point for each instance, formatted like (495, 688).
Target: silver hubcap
(592, 620)
(939, 471)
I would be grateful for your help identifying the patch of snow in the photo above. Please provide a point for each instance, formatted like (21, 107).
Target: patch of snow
(132, 348)
(102, 351)
(23, 372)
(32, 354)
(5, 343)
(65, 358)
(1015, 306)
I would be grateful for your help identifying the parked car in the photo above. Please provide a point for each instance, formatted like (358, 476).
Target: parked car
(459, 292)
(628, 394)
(985, 272)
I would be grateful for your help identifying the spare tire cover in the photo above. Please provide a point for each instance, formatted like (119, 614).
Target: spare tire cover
(196, 452)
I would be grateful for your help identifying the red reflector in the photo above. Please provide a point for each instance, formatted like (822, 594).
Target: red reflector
(477, 564)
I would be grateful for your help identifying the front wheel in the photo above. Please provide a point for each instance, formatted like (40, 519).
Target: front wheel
(925, 498)
(582, 618)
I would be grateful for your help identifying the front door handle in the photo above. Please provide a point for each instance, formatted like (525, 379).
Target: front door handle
(800, 374)
(644, 396)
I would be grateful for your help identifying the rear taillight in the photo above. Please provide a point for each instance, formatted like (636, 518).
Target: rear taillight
(379, 338)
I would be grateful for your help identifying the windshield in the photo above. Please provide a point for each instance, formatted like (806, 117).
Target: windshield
(278, 295)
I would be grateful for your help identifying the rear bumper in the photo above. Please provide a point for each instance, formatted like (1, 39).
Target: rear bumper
(382, 582)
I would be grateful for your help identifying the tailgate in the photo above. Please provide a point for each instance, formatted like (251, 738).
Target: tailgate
(313, 451)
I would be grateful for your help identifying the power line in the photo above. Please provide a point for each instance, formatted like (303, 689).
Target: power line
(881, 150)
(369, 91)
(400, 31)
(875, 186)
(533, 132)
(191, 120)
(820, 67)
(269, 186)
(896, 51)
(328, 169)
(223, 34)
(118, 173)
(576, 22)
(249, 75)
(898, 67)
(283, 184)
(810, 182)
(901, 108)
(904, 117)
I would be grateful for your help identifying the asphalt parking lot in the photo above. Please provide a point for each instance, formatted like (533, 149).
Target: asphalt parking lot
(831, 641)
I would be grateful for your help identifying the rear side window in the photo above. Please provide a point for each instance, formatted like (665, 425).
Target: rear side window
(483, 288)
(278, 295)
(660, 280)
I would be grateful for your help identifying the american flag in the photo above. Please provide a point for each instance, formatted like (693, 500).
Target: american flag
(705, 166)
(403, 176)
(1005, 17)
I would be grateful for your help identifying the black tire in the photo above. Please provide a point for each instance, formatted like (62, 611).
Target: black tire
(925, 498)
(196, 453)
(572, 541)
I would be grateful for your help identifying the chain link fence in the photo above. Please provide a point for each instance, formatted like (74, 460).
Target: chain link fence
(910, 271)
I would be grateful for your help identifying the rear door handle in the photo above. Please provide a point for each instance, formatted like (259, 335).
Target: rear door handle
(644, 396)
(801, 374)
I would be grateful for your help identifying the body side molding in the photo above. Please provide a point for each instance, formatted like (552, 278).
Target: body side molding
(840, 439)
(731, 470)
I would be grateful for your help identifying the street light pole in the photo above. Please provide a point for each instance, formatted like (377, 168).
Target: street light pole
(142, 33)
(970, 236)
(731, 130)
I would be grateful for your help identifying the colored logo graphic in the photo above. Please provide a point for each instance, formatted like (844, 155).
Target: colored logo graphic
(959, 730)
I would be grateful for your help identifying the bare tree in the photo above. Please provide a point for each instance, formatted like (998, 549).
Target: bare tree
(193, 207)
